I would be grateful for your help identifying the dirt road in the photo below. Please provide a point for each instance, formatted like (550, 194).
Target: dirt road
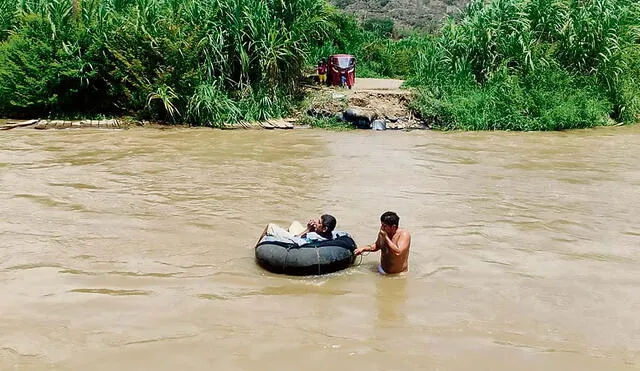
(378, 85)
(372, 99)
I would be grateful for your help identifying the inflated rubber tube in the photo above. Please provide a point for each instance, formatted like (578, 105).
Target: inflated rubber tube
(314, 258)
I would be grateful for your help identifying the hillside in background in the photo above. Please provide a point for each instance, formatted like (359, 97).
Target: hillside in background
(416, 13)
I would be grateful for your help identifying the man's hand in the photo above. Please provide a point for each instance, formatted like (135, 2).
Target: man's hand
(368, 248)
(312, 224)
(382, 234)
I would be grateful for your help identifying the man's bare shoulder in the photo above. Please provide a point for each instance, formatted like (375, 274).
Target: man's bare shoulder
(405, 235)
(402, 233)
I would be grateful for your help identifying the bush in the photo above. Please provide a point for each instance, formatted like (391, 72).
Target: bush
(157, 57)
(381, 27)
(329, 123)
(39, 71)
(531, 65)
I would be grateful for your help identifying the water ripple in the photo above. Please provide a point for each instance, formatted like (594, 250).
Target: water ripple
(113, 292)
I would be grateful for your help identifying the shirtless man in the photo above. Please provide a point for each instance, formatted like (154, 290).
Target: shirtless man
(394, 244)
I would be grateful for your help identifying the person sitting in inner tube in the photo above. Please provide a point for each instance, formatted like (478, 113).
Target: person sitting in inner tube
(320, 229)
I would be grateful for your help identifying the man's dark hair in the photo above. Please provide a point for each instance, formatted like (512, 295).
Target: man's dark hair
(328, 221)
(390, 218)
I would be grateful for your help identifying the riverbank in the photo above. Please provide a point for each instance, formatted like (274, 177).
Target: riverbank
(378, 104)
(381, 104)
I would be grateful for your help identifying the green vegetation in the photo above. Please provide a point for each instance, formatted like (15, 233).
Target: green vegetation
(378, 47)
(533, 65)
(510, 64)
(505, 65)
(196, 61)
(329, 123)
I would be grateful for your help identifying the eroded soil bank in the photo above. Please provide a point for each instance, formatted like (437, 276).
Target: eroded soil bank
(371, 103)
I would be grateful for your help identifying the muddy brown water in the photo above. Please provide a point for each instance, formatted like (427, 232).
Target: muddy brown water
(132, 250)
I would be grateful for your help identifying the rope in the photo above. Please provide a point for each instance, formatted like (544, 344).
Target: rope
(284, 264)
(318, 255)
(361, 257)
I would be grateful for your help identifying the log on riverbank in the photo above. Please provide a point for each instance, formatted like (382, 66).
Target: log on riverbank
(64, 124)
(268, 124)
(117, 124)
(61, 124)
(18, 124)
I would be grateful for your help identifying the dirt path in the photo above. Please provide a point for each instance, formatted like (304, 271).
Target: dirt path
(363, 84)
(371, 99)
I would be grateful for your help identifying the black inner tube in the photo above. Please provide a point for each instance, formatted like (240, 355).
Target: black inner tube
(314, 258)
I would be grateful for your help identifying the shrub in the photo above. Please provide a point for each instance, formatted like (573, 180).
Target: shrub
(40, 72)
(156, 57)
(531, 65)
(382, 27)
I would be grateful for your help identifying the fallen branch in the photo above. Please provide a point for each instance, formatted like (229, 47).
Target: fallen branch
(10, 126)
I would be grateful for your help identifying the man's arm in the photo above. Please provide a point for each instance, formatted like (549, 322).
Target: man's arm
(311, 227)
(403, 243)
(373, 247)
(307, 230)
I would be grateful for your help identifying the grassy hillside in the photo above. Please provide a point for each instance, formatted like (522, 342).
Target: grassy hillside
(424, 14)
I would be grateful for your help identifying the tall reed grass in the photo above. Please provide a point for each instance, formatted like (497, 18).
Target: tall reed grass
(382, 51)
(500, 65)
(200, 61)
(532, 65)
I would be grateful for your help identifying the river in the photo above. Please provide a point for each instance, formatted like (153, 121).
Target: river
(133, 250)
